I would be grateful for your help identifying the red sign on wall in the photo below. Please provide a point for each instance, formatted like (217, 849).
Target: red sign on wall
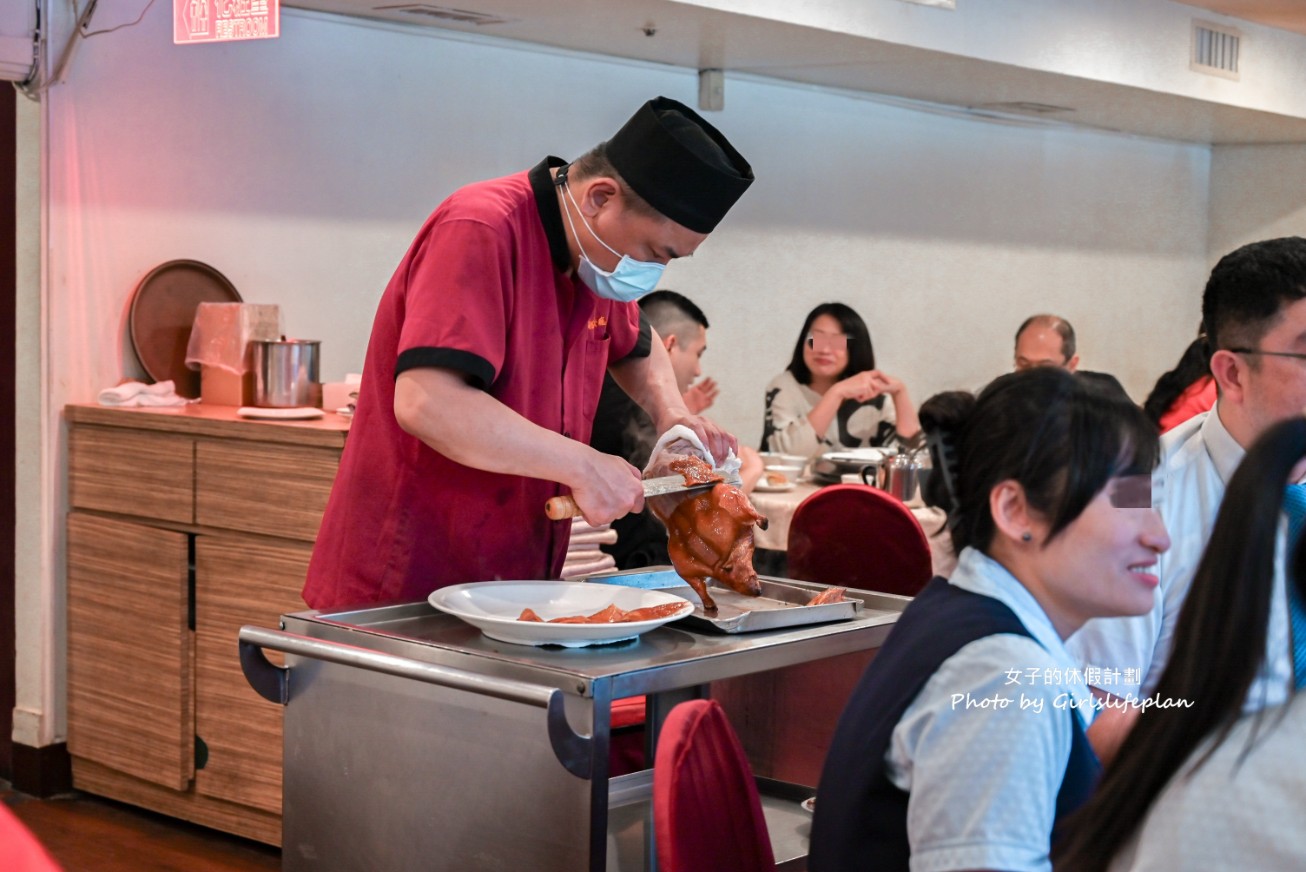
(224, 20)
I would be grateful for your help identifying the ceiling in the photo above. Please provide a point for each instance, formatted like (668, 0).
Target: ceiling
(694, 36)
(1285, 14)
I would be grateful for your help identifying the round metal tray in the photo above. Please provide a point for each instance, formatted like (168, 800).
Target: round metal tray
(163, 312)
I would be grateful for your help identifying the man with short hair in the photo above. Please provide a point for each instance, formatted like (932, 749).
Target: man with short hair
(682, 327)
(1049, 340)
(1254, 316)
(488, 352)
(622, 428)
(1046, 340)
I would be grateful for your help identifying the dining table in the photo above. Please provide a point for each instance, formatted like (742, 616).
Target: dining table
(778, 504)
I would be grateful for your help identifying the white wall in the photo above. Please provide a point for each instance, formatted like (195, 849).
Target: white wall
(301, 167)
(1257, 192)
(945, 233)
(38, 597)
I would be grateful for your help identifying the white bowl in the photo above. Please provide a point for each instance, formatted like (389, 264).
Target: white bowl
(791, 473)
(770, 458)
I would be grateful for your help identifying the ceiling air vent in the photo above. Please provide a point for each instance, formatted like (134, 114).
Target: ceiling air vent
(1215, 50)
(444, 13)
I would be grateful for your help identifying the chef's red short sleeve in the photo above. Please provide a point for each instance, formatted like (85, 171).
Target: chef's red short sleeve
(465, 325)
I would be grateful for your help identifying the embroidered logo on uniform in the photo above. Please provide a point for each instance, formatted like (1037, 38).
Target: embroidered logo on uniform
(601, 321)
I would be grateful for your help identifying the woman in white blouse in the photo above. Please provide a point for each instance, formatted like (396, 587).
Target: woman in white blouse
(831, 396)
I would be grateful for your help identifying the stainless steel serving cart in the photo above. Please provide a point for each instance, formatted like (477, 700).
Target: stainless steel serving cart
(412, 741)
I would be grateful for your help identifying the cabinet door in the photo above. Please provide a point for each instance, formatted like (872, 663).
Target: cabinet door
(129, 649)
(240, 580)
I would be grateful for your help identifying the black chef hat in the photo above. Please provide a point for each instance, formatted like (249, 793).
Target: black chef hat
(681, 165)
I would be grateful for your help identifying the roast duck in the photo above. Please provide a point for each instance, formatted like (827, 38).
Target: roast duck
(612, 614)
(709, 532)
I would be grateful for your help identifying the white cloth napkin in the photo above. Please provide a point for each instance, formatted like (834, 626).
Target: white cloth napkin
(587, 538)
(134, 393)
(599, 562)
(583, 554)
(681, 433)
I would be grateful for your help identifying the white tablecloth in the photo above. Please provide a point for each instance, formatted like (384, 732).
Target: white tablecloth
(779, 507)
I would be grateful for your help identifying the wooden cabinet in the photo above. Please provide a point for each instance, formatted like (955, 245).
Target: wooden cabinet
(184, 525)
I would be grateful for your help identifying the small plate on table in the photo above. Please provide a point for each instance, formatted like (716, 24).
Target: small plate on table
(496, 606)
(809, 804)
(763, 487)
(295, 413)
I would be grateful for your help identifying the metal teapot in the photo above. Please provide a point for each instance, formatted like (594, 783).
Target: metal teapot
(900, 475)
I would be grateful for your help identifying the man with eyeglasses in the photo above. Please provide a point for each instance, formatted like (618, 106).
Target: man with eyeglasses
(1254, 316)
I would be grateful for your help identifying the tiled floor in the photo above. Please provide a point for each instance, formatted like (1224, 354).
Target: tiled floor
(88, 834)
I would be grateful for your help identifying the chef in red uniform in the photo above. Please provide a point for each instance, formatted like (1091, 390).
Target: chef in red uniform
(487, 357)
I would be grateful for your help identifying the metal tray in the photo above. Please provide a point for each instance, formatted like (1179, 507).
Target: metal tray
(831, 466)
(782, 603)
(162, 314)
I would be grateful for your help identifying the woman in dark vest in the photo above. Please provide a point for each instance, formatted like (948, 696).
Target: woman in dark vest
(1199, 784)
(964, 744)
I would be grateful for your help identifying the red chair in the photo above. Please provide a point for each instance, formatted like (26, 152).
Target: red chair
(19, 849)
(626, 751)
(854, 535)
(707, 815)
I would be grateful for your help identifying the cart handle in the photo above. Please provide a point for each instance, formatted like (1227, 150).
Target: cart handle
(272, 682)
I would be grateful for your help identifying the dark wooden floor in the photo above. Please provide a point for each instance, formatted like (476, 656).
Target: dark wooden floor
(88, 834)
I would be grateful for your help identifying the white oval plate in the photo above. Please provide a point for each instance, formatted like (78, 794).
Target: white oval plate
(493, 606)
(763, 488)
(296, 413)
(860, 455)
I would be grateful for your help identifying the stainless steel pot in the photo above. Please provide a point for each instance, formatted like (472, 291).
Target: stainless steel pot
(286, 373)
(900, 476)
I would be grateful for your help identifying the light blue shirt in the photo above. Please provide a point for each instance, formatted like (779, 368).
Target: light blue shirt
(983, 748)
(1198, 458)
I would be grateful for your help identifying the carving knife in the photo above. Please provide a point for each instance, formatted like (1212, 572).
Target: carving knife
(560, 507)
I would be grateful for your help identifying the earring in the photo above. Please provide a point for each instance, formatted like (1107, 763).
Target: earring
(1027, 536)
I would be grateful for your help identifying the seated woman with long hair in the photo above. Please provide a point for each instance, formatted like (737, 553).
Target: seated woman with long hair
(964, 744)
(1199, 785)
(831, 396)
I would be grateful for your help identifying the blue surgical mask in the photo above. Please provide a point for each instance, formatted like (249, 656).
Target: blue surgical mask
(630, 280)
